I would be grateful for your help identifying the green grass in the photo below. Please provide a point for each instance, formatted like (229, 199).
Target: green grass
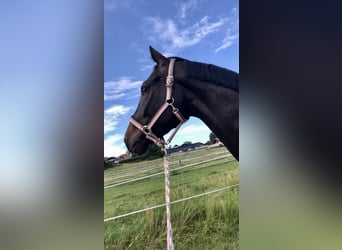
(134, 170)
(208, 222)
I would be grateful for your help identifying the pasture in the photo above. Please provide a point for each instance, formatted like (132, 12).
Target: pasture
(207, 222)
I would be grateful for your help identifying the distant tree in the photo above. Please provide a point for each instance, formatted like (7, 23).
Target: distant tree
(108, 164)
(187, 143)
(212, 138)
(154, 150)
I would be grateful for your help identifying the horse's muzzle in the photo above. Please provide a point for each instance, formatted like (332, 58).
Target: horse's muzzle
(135, 140)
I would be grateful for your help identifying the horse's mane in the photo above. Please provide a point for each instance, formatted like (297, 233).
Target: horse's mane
(212, 73)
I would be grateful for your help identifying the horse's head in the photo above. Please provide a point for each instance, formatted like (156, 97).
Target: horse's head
(153, 96)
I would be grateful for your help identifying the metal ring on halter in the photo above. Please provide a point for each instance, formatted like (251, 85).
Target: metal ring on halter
(170, 101)
(146, 129)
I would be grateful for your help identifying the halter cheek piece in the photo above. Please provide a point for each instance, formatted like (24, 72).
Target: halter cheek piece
(169, 101)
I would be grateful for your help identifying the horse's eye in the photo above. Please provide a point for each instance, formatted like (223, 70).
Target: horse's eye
(143, 90)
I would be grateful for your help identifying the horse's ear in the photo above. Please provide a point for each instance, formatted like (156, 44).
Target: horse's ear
(157, 56)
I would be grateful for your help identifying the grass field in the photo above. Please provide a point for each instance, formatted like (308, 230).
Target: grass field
(207, 222)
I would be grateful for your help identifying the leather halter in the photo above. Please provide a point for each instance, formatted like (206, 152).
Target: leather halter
(169, 100)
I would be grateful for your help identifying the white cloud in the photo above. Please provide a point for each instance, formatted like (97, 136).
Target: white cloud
(121, 88)
(192, 132)
(111, 117)
(228, 41)
(172, 37)
(147, 67)
(114, 146)
(177, 34)
(185, 7)
(232, 34)
(193, 129)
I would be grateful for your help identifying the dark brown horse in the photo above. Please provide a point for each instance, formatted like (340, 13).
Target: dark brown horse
(205, 91)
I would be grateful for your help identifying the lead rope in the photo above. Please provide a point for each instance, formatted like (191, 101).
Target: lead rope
(167, 200)
(147, 130)
(169, 84)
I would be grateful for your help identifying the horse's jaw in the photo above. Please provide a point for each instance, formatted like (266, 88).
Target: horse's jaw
(136, 141)
(137, 147)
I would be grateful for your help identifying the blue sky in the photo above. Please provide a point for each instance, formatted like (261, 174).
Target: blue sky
(198, 30)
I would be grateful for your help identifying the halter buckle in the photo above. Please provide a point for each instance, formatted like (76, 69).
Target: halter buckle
(169, 81)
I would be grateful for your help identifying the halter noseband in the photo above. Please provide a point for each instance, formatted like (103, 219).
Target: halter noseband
(169, 100)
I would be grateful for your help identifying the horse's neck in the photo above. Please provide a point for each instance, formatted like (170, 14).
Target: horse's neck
(216, 106)
(210, 102)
